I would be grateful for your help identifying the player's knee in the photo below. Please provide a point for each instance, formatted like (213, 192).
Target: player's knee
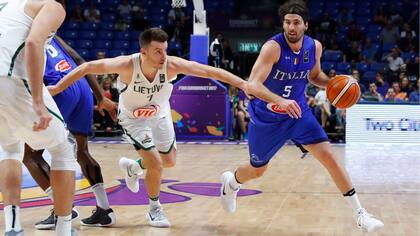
(169, 161)
(62, 157)
(155, 164)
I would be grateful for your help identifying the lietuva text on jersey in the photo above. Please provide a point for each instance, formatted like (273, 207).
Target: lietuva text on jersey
(145, 90)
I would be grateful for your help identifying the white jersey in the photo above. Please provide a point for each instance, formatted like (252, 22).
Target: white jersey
(14, 28)
(142, 93)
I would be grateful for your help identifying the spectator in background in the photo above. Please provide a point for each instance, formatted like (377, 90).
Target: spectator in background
(381, 84)
(138, 20)
(345, 17)
(356, 75)
(395, 62)
(414, 96)
(403, 96)
(216, 51)
(92, 14)
(353, 54)
(228, 62)
(413, 68)
(372, 94)
(124, 8)
(354, 33)
(106, 122)
(389, 34)
(176, 14)
(120, 25)
(369, 53)
(323, 104)
(408, 43)
(327, 25)
(407, 29)
(406, 87)
(242, 114)
(77, 14)
(390, 96)
(332, 73)
(380, 16)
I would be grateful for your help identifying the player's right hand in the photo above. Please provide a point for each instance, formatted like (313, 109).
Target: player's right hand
(43, 115)
(53, 89)
(290, 107)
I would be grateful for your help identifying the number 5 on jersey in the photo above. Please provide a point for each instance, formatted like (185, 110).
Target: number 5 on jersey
(287, 91)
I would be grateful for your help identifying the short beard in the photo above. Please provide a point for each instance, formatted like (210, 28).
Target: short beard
(293, 41)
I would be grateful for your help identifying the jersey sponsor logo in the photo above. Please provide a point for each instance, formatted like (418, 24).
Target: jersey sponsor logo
(280, 75)
(275, 108)
(146, 139)
(62, 66)
(145, 112)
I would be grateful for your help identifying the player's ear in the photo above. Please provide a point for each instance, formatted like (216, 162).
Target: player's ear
(143, 51)
(306, 26)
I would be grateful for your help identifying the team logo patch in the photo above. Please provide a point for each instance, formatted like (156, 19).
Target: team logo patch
(62, 66)
(146, 139)
(306, 56)
(275, 108)
(162, 78)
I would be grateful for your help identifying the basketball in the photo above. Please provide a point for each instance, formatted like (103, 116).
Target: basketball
(343, 91)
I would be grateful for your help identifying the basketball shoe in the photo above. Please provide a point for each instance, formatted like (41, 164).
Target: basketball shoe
(49, 223)
(157, 218)
(14, 233)
(366, 222)
(227, 194)
(100, 218)
(131, 178)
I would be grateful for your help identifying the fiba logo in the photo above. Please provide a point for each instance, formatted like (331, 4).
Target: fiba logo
(255, 158)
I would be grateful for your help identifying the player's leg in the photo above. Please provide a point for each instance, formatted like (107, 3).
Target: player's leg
(103, 215)
(323, 152)
(143, 135)
(261, 150)
(10, 184)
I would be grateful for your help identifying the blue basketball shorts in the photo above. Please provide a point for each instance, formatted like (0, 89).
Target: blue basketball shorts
(265, 139)
(76, 105)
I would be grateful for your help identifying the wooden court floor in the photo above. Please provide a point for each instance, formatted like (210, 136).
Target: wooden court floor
(297, 196)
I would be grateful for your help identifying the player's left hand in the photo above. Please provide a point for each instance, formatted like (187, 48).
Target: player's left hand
(108, 105)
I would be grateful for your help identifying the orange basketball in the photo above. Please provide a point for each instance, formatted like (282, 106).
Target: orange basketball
(343, 91)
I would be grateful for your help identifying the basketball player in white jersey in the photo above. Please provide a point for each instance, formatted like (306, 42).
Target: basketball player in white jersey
(144, 110)
(28, 113)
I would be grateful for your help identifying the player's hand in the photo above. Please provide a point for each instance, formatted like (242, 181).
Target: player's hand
(245, 87)
(290, 107)
(43, 115)
(108, 105)
(53, 89)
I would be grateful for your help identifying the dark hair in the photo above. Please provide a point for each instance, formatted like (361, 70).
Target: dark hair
(297, 7)
(152, 34)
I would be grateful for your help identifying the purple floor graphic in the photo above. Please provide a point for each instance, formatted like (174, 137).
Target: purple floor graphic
(123, 196)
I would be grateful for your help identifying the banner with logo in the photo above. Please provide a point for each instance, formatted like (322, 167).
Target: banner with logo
(383, 123)
(200, 109)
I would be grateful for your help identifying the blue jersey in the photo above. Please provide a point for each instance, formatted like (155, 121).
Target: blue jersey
(288, 78)
(76, 102)
(269, 127)
(58, 64)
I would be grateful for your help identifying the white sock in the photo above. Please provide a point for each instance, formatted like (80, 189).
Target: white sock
(12, 218)
(155, 203)
(49, 192)
(233, 184)
(63, 227)
(354, 202)
(135, 168)
(101, 197)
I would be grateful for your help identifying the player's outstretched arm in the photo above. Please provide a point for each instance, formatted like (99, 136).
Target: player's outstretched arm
(117, 65)
(178, 65)
(317, 76)
(269, 55)
(47, 17)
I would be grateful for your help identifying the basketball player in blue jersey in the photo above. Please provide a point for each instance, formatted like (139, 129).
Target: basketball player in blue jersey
(76, 105)
(279, 112)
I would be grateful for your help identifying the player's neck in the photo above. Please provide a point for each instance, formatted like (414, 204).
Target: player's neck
(295, 47)
(148, 70)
